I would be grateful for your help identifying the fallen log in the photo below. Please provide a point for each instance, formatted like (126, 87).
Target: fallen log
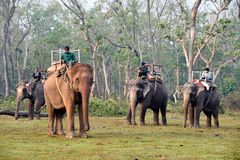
(10, 112)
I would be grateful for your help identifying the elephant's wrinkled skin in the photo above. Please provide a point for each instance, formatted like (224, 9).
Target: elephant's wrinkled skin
(37, 99)
(63, 93)
(153, 100)
(197, 99)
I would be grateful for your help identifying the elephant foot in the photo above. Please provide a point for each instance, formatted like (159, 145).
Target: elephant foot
(164, 123)
(216, 126)
(128, 122)
(60, 133)
(208, 126)
(70, 135)
(184, 126)
(197, 126)
(142, 123)
(156, 123)
(51, 133)
(83, 135)
(134, 123)
(30, 119)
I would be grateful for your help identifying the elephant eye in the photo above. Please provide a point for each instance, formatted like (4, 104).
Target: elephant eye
(77, 80)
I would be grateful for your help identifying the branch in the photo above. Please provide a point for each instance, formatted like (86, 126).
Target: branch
(223, 65)
(126, 46)
(202, 48)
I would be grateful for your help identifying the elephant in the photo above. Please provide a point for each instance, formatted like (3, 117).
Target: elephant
(156, 99)
(36, 99)
(62, 93)
(197, 99)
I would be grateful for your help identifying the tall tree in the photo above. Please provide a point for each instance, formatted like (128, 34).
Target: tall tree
(8, 9)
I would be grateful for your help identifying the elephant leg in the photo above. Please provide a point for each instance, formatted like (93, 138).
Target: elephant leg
(186, 104)
(143, 110)
(191, 115)
(82, 132)
(133, 111)
(70, 120)
(156, 117)
(215, 116)
(163, 113)
(209, 116)
(197, 112)
(30, 106)
(51, 116)
(129, 116)
(37, 108)
(59, 126)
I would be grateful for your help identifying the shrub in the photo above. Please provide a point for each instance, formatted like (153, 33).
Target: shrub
(107, 107)
(7, 103)
(232, 101)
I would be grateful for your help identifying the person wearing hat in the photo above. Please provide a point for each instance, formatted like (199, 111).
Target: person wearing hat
(37, 77)
(68, 57)
(143, 70)
(206, 78)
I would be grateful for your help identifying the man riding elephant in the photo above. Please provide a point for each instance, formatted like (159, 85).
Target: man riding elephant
(68, 59)
(206, 78)
(143, 70)
(149, 92)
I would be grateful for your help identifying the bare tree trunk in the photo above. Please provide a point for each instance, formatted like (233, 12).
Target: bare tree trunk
(150, 32)
(11, 59)
(5, 66)
(238, 4)
(126, 70)
(119, 79)
(177, 71)
(105, 76)
(192, 37)
(8, 11)
(25, 56)
(18, 67)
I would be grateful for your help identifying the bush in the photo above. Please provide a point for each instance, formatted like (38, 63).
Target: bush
(232, 101)
(229, 85)
(107, 107)
(8, 103)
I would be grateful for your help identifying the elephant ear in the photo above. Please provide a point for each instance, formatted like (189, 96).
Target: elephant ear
(69, 78)
(199, 90)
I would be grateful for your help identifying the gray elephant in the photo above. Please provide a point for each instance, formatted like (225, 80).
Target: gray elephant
(36, 99)
(196, 99)
(151, 95)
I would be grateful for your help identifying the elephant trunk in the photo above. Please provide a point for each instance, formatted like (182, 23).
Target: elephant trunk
(85, 101)
(17, 108)
(185, 105)
(133, 104)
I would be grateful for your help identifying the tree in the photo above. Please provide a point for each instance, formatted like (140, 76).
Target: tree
(8, 8)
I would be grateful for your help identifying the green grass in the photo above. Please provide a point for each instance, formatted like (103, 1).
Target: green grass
(110, 139)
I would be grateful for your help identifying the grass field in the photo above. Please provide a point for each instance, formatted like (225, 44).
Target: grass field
(110, 139)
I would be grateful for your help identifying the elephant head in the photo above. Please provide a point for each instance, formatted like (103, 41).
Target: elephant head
(21, 94)
(189, 91)
(81, 79)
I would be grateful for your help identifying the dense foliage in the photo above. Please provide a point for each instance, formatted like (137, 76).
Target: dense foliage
(114, 36)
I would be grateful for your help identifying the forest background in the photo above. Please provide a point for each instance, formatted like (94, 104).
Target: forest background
(114, 36)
